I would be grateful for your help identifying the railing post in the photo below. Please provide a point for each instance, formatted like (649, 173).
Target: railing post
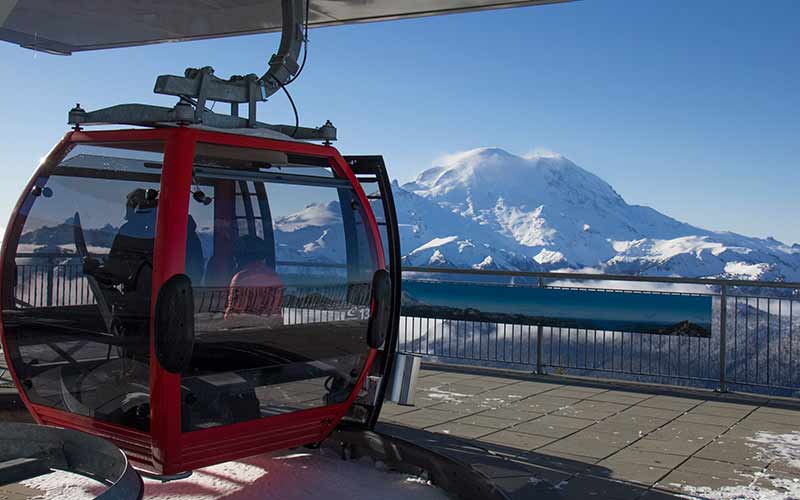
(539, 333)
(723, 349)
(49, 282)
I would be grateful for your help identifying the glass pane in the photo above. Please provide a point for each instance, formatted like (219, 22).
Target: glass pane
(78, 323)
(283, 302)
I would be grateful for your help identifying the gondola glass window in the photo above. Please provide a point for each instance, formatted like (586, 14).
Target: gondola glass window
(281, 266)
(76, 293)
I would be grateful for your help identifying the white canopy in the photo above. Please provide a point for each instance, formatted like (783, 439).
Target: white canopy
(66, 26)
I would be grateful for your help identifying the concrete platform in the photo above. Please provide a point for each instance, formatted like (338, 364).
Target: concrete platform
(552, 437)
(549, 437)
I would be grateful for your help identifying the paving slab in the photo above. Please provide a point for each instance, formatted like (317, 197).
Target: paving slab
(789, 412)
(552, 426)
(634, 472)
(422, 400)
(508, 393)
(623, 431)
(661, 460)
(686, 430)
(724, 422)
(624, 397)
(734, 450)
(675, 446)
(497, 380)
(437, 381)
(462, 408)
(511, 413)
(544, 403)
(517, 440)
(588, 444)
(671, 403)
(532, 388)
(646, 411)
(729, 406)
(697, 473)
(484, 421)
(638, 423)
(460, 430)
(752, 425)
(576, 392)
(424, 417)
(564, 462)
(391, 409)
(461, 389)
(779, 419)
(593, 410)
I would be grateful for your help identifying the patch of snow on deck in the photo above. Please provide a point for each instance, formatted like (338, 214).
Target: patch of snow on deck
(451, 397)
(784, 448)
(781, 489)
(773, 448)
(318, 474)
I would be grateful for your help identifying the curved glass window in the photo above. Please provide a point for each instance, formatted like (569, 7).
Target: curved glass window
(281, 267)
(77, 282)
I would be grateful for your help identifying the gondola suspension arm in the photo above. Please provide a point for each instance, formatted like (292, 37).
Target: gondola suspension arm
(199, 86)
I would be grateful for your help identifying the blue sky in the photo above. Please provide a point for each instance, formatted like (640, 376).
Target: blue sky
(689, 107)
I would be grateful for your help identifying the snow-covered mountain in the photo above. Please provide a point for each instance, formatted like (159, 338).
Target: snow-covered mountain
(487, 208)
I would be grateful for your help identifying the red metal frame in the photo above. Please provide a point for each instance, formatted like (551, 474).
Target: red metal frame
(166, 449)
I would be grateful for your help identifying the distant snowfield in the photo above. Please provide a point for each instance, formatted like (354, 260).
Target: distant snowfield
(306, 475)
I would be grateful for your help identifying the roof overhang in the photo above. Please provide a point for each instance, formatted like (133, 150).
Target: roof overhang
(67, 26)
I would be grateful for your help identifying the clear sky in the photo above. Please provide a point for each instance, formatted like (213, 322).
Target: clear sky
(690, 107)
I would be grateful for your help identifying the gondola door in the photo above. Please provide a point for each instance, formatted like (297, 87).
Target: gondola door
(282, 258)
(372, 175)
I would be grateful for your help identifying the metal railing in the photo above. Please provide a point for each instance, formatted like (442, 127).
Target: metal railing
(754, 344)
(51, 280)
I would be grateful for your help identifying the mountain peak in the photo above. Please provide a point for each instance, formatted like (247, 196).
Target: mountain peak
(476, 154)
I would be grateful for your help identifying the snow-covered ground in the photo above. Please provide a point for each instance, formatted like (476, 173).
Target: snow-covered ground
(287, 475)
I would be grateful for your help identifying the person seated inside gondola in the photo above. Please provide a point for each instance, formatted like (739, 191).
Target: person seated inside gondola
(255, 289)
(132, 247)
(126, 274)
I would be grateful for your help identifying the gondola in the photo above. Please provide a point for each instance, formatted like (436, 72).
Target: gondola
(199, 295)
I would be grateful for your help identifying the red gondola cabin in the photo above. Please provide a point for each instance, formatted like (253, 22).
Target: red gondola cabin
(199, 296)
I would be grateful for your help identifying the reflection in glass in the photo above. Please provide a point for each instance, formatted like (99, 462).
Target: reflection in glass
(77, 294)
(282, 304)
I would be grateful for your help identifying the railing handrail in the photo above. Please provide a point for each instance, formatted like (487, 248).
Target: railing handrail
(539, 275)
(603, 277)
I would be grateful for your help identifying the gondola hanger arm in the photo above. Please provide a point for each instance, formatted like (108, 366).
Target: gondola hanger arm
(199, 86)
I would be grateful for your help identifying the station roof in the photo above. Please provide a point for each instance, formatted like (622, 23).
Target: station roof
(65, 27)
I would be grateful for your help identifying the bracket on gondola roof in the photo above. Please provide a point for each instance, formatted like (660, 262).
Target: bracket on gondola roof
(199, 86)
